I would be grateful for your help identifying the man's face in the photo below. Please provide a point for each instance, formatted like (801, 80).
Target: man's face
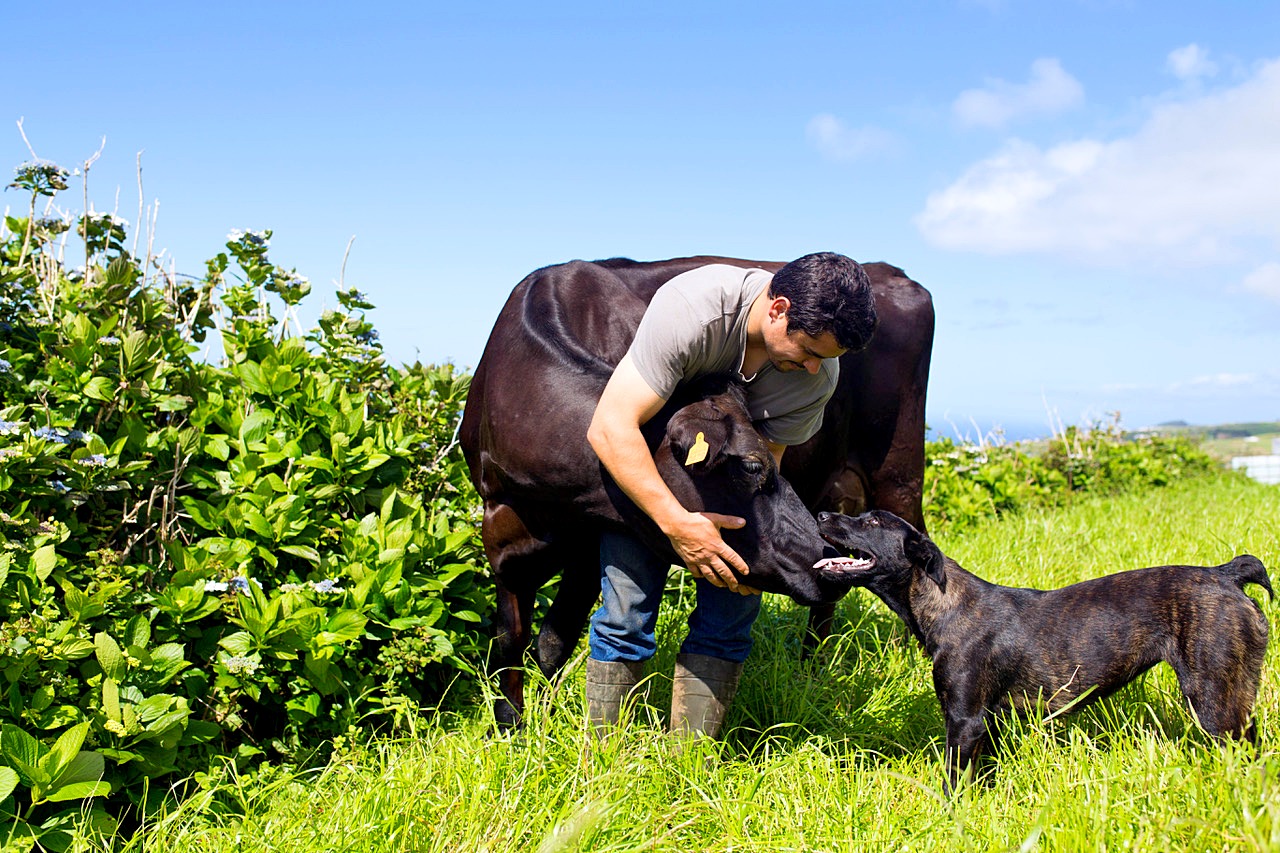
(791, 351)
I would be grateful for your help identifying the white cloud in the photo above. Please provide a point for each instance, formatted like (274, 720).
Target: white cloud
(1191, 63)
(1216, 380)
(1195, 182)
(1200, 384)
(837, 141)
(1264, 281)
(1049, 90)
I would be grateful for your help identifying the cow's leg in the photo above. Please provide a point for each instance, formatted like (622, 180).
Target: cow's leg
(507, 658)
(846, 494)
(821, 618)
(562, 627)
(520, 568)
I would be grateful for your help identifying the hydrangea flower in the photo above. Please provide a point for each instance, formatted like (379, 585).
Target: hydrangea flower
(326, 585)
(215, 586)
(237, 664)
(97, 460)
(59, 486)
(256, 238)
(10, 427)
(51, 434)
(108, 340)
(9, 452)
(59, 436)
(5, 366)
(240, 584)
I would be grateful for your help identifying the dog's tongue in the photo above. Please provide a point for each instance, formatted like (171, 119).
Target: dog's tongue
(843, 564)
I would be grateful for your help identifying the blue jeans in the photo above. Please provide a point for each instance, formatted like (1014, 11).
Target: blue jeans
(632, 579)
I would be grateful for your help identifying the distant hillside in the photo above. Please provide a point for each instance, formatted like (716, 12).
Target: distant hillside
(1225, 441)
(1220, 431)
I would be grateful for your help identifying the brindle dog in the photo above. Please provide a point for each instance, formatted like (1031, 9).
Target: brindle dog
(997, 648)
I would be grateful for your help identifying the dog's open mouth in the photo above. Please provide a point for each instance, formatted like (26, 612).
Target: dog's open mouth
(858, 561)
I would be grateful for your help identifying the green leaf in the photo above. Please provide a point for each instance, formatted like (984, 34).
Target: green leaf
(110, 658)
(133, 348)
(18, 746)
(85, 767)
(43, 562)
(111, 699)
(74, 649)
(217, 447)
(153, 707)
(76, 602)
(64, 750)
(199, 731)
(258, 523)
(100, 388)
(202, 513)
(138, 632)
(343, 625)
(323, 674)
(307, 553)
(238, 643)
(256, 426)
(42, 698)
(79, 791)
(8, 782)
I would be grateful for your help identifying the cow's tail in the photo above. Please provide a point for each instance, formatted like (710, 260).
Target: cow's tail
(1247, 569)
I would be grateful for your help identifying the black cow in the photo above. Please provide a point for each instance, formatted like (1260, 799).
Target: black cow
(546, 497)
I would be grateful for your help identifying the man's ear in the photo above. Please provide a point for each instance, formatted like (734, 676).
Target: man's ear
(778, 307)
(696, 443)
(921, 551)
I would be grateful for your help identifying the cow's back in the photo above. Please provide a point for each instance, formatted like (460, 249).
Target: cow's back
(565, 327)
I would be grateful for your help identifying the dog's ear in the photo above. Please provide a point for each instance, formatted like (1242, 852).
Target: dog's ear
(922, 552)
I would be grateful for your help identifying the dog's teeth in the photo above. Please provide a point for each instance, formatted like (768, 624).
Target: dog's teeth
(843, 564)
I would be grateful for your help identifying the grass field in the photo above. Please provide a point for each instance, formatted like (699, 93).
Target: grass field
(840, 752)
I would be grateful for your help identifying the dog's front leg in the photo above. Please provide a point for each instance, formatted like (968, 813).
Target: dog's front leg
(967, 739)
(965, 709)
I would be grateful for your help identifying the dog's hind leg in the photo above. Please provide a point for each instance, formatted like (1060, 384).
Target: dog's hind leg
(1222, 702)
(1220, 676)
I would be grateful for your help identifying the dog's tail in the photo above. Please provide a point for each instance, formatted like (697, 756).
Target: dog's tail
(1248, 569)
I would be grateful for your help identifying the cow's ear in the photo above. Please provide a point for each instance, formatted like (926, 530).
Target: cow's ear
(696, 443)
(923, 553)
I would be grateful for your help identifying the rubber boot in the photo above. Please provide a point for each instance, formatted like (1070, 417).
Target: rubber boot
(701, 694)
(609, 685)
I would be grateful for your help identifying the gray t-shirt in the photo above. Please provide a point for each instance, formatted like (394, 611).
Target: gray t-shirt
(696, 326)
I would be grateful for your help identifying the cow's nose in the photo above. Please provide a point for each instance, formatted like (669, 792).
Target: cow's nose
(823, 516)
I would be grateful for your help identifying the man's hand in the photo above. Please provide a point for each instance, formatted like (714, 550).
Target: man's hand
(696, 539)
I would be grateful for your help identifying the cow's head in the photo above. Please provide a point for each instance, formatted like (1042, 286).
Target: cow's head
(714, 460)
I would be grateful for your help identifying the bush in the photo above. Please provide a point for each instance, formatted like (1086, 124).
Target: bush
(240, 558)
(967, 483)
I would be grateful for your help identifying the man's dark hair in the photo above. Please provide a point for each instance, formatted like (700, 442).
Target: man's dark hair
(829, 293)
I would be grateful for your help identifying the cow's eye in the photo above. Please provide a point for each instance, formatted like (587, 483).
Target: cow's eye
(752, 466)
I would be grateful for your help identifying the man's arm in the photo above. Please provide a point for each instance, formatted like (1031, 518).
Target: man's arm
(614, 434)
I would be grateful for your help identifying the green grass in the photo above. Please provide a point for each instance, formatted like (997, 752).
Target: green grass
(840, 752)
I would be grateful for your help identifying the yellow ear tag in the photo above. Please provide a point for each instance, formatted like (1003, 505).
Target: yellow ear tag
(698, 452)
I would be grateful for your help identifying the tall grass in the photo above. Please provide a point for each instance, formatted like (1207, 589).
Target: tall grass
(839, 752)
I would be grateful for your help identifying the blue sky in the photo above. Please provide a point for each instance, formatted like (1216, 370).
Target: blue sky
(1090, 189)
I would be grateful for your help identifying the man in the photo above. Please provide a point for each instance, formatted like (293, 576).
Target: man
(782, 334)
